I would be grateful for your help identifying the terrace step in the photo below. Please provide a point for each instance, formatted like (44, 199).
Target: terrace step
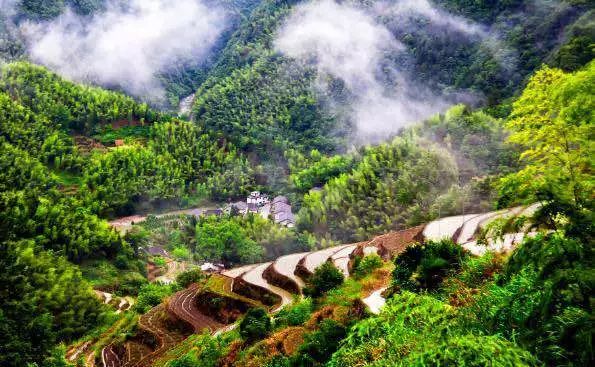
(255, 277)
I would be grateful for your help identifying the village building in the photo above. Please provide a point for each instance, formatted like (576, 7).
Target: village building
(278, 210)
(281, 212)
(241, 207)
(211, 268)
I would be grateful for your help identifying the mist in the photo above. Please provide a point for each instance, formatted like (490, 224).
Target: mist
(355, 44)
(126, 46)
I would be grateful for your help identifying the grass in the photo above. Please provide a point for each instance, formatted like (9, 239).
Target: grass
(353, 289)
(65, 178)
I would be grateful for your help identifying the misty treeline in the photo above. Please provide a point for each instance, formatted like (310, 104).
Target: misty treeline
(447, 165)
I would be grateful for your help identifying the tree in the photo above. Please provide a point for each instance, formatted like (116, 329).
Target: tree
(255, 325)
(191, 276)
(43, 300)
(553, 122)
(325, 278)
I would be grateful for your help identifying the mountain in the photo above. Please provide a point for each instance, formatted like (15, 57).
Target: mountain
(433, 160)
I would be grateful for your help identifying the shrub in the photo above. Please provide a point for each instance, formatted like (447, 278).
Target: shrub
(319, 345)
(544, 300)
(294, 315)
(255, 325)
(159, 261)
(366, 265)
(325, 278)
(150, 295)
(131, 283)
(181, 253)
(471, 351)
(194, 275)
(424, 266)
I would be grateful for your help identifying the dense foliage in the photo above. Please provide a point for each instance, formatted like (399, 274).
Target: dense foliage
(255, 325)
(424, 266)
(73, 155)
(325, 278)
(553, 121)
(39, 293)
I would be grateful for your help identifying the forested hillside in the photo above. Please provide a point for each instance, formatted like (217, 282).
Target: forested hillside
(373, 122)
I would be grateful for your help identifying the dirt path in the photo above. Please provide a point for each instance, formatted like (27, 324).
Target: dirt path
(124, 223)
(285, 265)
(255, 277)
(174, 268)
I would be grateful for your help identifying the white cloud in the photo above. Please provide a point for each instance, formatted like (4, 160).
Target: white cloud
(127, 46)
(407, 10)
(348, 43)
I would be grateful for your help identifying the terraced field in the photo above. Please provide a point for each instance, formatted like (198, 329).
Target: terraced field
(317, 258)
(341, 258)
(286, 277)
(255, 277)
(286, 265)
(184, 306)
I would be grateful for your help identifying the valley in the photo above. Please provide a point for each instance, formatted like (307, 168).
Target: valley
(297, 183)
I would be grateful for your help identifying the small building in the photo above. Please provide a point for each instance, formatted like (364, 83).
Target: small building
(281, 212)
(257, 198)
(280, 199)
(240, 206)
(286, 219)
(216, 212)
(211, 268)
(252, 208)
(156, 251)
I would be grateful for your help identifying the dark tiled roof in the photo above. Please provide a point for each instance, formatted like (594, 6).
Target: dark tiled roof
(280, 199)
(156, 250)
(280, 207)
(216, 212)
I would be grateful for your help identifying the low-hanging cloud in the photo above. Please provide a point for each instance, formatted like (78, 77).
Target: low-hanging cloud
(348, 43)
(410, 10)
(127, 45)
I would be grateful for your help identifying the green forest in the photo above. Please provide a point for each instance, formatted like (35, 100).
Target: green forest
(121, 246)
